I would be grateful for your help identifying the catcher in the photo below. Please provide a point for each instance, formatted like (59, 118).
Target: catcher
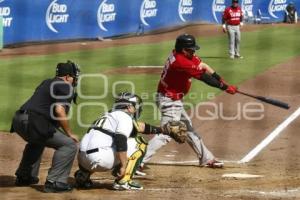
(113, 143)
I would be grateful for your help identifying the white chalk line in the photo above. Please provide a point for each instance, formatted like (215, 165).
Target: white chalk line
(170, 162)
(270, 137)
(279, 193)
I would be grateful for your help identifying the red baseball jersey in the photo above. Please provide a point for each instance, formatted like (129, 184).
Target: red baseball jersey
(175, 79)
(233, 15)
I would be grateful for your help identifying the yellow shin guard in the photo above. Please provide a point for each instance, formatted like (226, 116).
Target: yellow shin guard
(135, 159)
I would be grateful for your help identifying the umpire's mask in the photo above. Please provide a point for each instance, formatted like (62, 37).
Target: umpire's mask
(68, 68)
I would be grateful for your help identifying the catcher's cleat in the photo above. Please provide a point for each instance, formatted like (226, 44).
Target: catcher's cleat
(214, 164)
(82, 179)
(26, 181)
(86, 185)
(126, 185)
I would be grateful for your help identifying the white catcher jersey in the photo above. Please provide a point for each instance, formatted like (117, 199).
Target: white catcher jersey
(117, 122)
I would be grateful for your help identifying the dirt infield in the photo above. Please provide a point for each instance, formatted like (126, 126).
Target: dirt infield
(229, 140)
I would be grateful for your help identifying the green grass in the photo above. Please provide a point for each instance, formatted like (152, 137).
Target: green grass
(261, 49)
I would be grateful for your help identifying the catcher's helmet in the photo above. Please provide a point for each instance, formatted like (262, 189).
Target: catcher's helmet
(186, 41)
(68, 68)
(125, 99)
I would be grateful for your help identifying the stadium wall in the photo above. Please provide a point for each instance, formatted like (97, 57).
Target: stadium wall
(52, 20)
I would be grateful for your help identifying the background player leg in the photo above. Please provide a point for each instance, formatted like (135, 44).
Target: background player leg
(237, 42)
(231, 36)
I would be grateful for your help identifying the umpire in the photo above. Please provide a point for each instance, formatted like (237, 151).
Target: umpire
(37, 122)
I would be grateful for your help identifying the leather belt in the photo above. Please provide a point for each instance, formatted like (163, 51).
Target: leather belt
(92, 151)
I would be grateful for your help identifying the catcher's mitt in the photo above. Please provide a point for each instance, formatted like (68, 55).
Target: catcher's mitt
(176, 130)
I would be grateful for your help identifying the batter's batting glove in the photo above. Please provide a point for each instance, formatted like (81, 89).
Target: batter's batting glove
(231, 89)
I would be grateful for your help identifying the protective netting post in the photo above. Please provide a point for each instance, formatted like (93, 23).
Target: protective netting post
(1, 33)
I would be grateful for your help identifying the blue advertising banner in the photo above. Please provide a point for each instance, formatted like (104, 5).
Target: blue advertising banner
(50, 20)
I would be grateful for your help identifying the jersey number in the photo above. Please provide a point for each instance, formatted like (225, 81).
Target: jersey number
(100, 122)
(169, 61)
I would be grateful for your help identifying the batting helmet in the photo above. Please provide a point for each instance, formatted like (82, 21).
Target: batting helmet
(125, 99)
(235, 1)
(186, 41)
(68, 68)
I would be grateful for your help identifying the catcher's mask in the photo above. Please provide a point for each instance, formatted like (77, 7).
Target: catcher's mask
(186, 41)
(69, 68)
(126, 99)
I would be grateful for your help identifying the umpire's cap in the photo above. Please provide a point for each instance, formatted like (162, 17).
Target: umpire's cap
(68, 68)
(186, 41)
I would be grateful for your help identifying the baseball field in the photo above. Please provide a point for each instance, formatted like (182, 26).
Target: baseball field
(230, 125)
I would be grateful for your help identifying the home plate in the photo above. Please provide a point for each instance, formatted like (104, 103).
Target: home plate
(239, 175)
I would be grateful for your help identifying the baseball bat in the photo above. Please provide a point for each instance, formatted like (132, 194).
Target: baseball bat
(267, 100)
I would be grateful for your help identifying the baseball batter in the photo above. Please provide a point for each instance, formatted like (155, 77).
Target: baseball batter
(175, 82)
(113, 142)
(232, 20)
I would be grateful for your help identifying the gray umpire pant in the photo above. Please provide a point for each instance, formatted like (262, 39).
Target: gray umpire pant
(65, 151)
(234, 36)
(174, 110)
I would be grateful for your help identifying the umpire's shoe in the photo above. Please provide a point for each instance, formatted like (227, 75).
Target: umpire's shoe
(57, 187)
(26, 181)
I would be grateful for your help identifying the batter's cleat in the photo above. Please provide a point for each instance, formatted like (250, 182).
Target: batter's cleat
(26, 181)
(126, 185)
(57, 187)
(139, 173)
(214, 164)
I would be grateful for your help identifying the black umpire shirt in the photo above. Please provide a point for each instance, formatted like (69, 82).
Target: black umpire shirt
(41, 105)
